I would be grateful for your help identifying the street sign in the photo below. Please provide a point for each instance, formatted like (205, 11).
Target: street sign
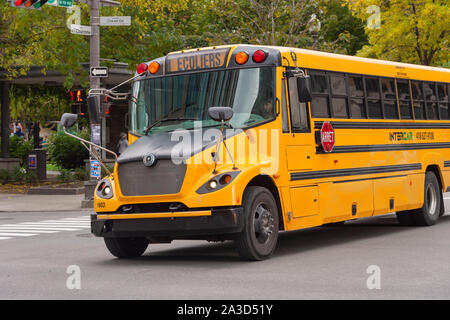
(99, 72)
(81, 30)
(96, 170)
(327, 136)
(52, 3)
(65, 3)
(115, 21)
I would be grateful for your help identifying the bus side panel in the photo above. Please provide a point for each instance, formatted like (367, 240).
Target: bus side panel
(346, 200)
(393, 194)
(299, 216)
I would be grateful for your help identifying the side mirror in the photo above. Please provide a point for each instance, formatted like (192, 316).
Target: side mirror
(304, 88)
(68, 120)
(94, 108)
(220, 113)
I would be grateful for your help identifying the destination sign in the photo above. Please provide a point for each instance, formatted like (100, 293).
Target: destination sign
(208, 59)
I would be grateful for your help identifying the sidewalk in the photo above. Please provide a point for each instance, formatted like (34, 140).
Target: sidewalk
(34, 202)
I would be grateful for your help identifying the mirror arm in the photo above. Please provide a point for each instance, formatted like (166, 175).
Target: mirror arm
(90, 143)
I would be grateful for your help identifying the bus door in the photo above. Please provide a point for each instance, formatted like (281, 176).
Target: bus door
(299, 148)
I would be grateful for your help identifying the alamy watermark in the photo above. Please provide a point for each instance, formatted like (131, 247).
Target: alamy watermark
(73, 281)
(374, 280)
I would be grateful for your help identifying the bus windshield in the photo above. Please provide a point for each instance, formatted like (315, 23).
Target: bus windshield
(179, 101)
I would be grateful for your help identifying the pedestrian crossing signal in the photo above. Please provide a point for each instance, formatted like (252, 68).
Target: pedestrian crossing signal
(78, 96)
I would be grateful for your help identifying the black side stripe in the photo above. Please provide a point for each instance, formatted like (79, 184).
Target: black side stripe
(353, 171)
(384, 125)
(386, 147)
(446, 163)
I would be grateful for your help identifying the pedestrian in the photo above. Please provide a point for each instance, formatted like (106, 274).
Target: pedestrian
(19, 131)
(122, 144)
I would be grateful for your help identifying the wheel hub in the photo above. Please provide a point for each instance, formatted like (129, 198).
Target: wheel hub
(263, 223)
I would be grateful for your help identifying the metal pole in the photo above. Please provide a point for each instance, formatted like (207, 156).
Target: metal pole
(5, 120)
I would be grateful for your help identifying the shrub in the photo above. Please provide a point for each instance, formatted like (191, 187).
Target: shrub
(5, 176)
(18, 148)
(65, 175)
(68, 152)
(30, 176)
(81, 174)
(18, 175)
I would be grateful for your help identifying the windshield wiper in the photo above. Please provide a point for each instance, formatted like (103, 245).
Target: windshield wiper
(167, 119)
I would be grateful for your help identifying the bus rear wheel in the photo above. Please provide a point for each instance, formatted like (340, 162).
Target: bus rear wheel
(432, 205)
(126, 248)
(258, 239)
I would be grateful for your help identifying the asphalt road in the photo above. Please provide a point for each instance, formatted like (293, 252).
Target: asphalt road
(317, 263)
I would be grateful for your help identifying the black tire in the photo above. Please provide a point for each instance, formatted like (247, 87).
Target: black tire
(432, 205)
(126, 248)
(258, 239)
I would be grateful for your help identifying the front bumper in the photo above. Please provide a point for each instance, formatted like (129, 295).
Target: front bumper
(221, 221)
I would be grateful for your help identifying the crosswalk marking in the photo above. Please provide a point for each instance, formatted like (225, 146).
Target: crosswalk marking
(56, 225)
(17, 234)
(28, 229)
(7, 229)
(40, 227)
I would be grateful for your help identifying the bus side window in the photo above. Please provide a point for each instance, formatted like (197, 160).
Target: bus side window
(418, 100)
(320, 95)
(339, 95)
(431, 100)
(389, 98)
(356, 92)
(299, 114)
(404, 98)
(284, 113)
(373, 98)
(443, 97)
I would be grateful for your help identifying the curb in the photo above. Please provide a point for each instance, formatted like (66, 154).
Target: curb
(56, 191)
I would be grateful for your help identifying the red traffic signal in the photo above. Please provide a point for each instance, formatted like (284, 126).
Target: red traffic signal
(78, 95)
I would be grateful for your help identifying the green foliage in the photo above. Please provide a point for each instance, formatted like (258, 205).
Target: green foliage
(5, 176)
(38, 103)
(80, 174)
(410, 31)
(18, 148)
(30, 176)
(65, 176)
(68, 152)
(18, 175)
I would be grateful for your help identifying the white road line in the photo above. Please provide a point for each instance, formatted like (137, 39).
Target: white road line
(15, 229)
(28, 229)
(69, 225)
(17, 234)
(63, 222)
(39, 227)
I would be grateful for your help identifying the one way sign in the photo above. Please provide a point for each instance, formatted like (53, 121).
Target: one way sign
(99, 72)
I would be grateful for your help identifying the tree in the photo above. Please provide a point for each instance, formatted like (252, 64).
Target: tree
(410, 31)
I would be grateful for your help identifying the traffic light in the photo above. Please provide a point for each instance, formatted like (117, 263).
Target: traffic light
(79, 108)
(105, 108)
(78, 95)
(28, 4)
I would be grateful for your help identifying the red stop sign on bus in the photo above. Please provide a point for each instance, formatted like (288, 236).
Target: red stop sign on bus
(327, 136)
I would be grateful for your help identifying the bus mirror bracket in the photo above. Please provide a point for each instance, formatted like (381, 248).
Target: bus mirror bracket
(221, 114)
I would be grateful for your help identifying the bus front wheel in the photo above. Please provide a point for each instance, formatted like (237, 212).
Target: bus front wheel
(126, 248)
(258, 239)
(432, 205)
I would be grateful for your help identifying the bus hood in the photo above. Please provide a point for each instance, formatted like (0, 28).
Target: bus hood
(175, 145)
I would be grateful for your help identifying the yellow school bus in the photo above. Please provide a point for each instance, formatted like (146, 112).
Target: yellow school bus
(240, 142)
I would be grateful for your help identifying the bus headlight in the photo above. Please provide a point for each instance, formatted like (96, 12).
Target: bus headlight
(104, 189)
(218, 182)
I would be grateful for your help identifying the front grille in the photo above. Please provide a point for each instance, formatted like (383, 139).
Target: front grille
(164, 177)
